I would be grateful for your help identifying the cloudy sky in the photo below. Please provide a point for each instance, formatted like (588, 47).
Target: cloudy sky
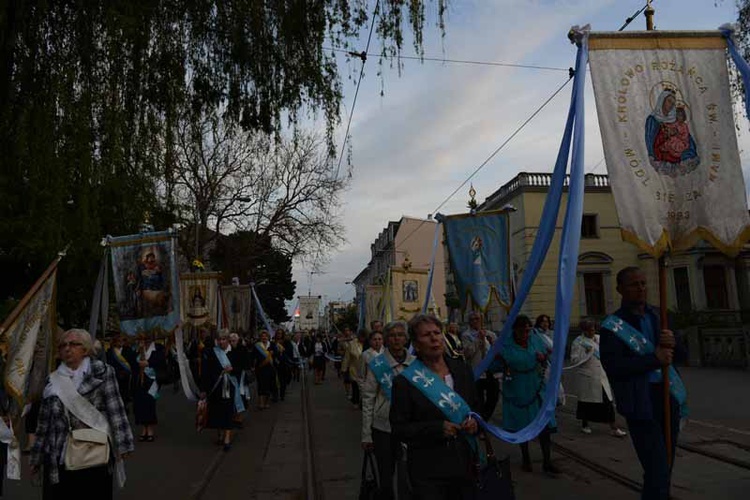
(438, 121)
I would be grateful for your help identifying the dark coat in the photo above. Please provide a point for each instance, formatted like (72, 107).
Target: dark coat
(416, 421)
(628, 372)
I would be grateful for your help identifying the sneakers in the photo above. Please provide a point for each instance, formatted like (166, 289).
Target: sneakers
(619, 433)
(587, 430)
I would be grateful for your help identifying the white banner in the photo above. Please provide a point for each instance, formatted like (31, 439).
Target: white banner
(309, 313)
(670, 145)
(198, 297)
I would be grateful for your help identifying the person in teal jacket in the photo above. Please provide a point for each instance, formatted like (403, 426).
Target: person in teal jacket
(524, 357)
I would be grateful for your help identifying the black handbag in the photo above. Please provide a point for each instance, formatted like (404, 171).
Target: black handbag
(369, 484)
(493, 479)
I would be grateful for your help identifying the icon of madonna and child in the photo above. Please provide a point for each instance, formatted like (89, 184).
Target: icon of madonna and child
(146, 285)
(671, 147)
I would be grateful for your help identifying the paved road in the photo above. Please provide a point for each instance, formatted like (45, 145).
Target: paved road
(268, 459)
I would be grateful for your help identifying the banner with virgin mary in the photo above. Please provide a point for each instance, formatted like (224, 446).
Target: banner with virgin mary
(145, 279)
(478, 246)
(199, 295)
(667, 124)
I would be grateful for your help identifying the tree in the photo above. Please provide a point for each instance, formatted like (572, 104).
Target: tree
(250, 257)
(224, 178)
(348, 319)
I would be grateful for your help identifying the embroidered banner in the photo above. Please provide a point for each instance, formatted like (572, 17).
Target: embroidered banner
(237, 304)
(373, 303)
(199, 297)
(478, 249)
(666, 119)
(145, 279)
(30, 331)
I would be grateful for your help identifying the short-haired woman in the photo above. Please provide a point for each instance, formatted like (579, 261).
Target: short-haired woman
(152, 359)
(96, 382)
(441, 457)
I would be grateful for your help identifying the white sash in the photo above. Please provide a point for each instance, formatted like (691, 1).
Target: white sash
(87, 413)
(189, 386)
(13, 465)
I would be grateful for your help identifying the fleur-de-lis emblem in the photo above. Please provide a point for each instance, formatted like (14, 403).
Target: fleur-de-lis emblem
(426, 381)
(616, 325)
(448, 401)
(635, 342)
(378, 362)
(387, 380)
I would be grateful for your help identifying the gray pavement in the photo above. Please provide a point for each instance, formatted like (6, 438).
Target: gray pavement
(267, 460)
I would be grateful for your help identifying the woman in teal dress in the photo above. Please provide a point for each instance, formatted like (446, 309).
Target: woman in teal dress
(523, 360)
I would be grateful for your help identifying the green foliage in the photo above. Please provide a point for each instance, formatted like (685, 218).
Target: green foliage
(348, 319)
(92, 93)
(252, 258)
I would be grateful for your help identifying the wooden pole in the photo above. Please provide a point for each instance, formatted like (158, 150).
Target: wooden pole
(30, 294)
(664, 325)
(649, 16)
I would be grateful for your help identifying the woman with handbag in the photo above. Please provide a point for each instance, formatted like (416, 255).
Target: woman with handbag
(152, 361)
(83, 431)
(431, 402)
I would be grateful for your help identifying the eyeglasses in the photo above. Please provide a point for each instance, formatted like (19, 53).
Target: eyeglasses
(63, 345)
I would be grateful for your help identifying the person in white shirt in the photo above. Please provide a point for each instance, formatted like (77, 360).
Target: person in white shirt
(476, 344)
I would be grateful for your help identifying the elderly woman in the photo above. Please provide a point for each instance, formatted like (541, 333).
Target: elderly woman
(262, 358)
(592, 386)
(430, 406)
(81, 394)
(220, 387)
(523, 360)
(151, 358)
(352, 363)
(376, 348)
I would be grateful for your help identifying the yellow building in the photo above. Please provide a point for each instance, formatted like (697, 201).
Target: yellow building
(707, 291)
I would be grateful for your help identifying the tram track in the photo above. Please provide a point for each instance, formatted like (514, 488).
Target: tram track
(313, 491)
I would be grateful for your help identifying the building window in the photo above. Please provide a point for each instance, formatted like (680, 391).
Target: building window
(682, 289)
(589, 227)
(593, 285)
(715, 283)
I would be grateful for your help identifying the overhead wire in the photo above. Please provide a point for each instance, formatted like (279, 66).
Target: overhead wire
(363, 56)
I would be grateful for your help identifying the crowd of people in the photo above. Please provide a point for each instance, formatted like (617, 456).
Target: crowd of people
(414, 383)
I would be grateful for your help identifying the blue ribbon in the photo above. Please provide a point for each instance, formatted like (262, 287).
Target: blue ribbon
(569, 245)
(741, 64)
(428, 294)
(639, 344)
(383, 372)
(224, 361)
(263, 316)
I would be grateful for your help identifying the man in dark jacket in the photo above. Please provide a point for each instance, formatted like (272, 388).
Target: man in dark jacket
(636, 378)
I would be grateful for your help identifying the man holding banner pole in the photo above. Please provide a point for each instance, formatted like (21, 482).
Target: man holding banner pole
(635, 352)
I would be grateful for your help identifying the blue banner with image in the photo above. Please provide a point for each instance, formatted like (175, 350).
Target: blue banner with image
(478, 249)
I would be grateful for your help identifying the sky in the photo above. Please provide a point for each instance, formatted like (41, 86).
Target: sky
(437, 122)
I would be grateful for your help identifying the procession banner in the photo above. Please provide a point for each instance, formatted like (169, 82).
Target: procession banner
(237, 304)
(410, 287)
(373, 302)
(145, 279)
(309, 312)
(666, 119)
(478, 246)
(199, 297)
(30, 333)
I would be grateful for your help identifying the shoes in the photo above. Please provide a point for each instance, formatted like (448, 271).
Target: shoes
(150, 439)
(619, 433)
(526, 467)
(142, 438)
(586, 430)
(227, 446)
(550, 469)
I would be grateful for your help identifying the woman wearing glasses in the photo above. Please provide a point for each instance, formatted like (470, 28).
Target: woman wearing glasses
(86, 388)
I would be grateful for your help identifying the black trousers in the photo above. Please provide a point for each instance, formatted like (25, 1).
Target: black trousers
(355, 392)
(648, 441)
(85, 484)
(387, 451)
(489, 392)
(443, 489)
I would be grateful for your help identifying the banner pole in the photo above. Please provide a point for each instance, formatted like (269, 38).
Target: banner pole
(664, 325)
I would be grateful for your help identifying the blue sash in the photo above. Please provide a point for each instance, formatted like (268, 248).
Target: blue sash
(430, 384)
(149, 372)
(383, 373)
(586, 342)
(224, 361)
(639, 344)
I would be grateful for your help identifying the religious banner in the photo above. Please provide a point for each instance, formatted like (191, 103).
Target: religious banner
(667, 125)
(373, 303)
(478, 247)
(237, 305)
(30, 333)
(145, 279)
(199, 297)
(309, 312)
(408, 292)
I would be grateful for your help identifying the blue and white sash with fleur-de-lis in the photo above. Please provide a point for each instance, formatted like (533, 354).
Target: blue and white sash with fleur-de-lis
(639, 344)
(227, 379)
(383, 372)
(437, 391)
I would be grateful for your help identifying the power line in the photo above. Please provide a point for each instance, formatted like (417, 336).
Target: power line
(363, 56)
(454, 61)
(491, 156)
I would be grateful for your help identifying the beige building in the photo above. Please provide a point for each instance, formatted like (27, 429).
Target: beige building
(394, 282)
(708, 292)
